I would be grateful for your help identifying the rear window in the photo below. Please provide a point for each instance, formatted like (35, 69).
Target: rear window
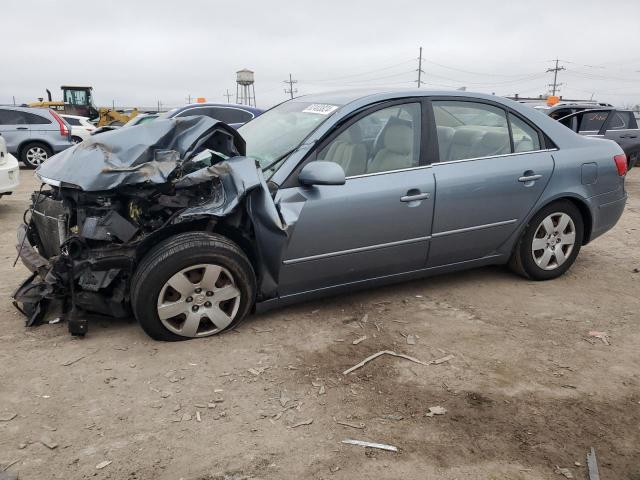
(226, 115)
(74, 122)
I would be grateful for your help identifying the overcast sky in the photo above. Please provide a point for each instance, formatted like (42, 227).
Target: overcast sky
(136, 53)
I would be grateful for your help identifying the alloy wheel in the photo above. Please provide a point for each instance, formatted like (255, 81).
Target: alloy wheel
(198, 301)
(553, 241)
(36, 155)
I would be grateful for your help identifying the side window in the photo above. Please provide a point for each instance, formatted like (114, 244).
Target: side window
(33, 119)
(621, 121)
(385, 140)
(11, 117)
(592, 121)
(470, 130)
(525, 137)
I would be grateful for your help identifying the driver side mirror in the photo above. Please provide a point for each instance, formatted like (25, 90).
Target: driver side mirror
(321, 172)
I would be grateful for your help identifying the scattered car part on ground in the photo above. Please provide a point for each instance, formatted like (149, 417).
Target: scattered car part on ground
(81, 127)
(9, 170)
(171, 222)
(33, 134)
(231, 114)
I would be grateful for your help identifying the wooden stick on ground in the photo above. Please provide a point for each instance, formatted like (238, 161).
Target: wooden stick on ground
(384, 352)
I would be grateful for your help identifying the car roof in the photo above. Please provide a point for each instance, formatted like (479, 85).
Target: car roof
(26, 109)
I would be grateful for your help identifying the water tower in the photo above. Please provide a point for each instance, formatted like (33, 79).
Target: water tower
(245, 88)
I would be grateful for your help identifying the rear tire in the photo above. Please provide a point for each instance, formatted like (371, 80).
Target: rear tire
(215, 287)
(35, 154)
(550, 243)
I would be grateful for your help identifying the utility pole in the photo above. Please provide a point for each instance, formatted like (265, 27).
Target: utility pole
(420, 71)
(189, 98)
(291, 82)
(554, 86)
(228, 95)
(14, 100)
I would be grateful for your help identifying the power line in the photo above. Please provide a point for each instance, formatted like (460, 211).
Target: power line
(555, 83)
(291, 82)
(420, 71)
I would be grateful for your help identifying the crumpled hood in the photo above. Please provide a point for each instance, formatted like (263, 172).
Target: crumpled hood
(146, 153)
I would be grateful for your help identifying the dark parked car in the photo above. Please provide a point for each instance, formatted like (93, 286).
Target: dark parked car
(180, 223)
(34, 134)
(231, 114)
(617, 125)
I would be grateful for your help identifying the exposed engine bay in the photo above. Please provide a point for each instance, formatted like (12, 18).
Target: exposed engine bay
(107, 201)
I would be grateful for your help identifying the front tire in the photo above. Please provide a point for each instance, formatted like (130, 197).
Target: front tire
(551, 242)
(192, 285)
(35, 154)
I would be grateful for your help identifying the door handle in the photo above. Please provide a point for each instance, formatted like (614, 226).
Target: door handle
(22, 128)
(529, 178)
(414, 198)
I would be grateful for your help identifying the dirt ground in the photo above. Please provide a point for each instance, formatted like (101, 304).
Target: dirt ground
(527, 390)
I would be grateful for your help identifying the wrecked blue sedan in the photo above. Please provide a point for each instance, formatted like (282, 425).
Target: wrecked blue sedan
(182, 225)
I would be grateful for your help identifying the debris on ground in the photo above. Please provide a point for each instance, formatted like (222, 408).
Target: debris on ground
(309, 421)
(104, 464)
(8, 466)
(7, 417)
(198, 417)
(322, 390)
(257, 371)
(284, 399)
(48, 442)
(8, 476)
(604, 336)
(358, 340)
(435, 411)
(564, 472)
(72, 361)
(384, 352)
(438, 361)
(411, 339)
(363, 443)
(359, 426)
(592, 465)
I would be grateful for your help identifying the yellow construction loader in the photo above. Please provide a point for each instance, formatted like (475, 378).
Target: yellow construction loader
(78, 101)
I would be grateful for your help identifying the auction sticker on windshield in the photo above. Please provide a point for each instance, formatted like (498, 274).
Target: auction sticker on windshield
(320, 108)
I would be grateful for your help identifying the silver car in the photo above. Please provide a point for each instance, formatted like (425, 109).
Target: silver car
(181, 223)
(33, 134)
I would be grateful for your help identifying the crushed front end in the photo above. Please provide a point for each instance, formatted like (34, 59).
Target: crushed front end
(106, 202)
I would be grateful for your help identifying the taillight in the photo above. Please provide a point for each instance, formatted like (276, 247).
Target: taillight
(621, 164)
(64, 131)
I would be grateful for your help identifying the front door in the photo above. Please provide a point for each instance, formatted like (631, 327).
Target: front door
(377, 223)
(490, 175)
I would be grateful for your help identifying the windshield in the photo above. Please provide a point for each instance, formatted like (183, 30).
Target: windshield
(277, 132)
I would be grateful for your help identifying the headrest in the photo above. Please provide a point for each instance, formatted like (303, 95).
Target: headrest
(466, 136)
(398, 139)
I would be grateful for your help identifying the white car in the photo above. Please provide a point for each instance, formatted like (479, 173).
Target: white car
(9, 170)
(81, 127)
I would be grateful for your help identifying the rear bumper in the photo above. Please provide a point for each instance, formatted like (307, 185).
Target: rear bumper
(9, 175)
(606, 215)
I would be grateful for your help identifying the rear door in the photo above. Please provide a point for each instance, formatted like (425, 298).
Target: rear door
(40, 126)
(491, 171)
(622, 128)
(14, 128)
(378, 223)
